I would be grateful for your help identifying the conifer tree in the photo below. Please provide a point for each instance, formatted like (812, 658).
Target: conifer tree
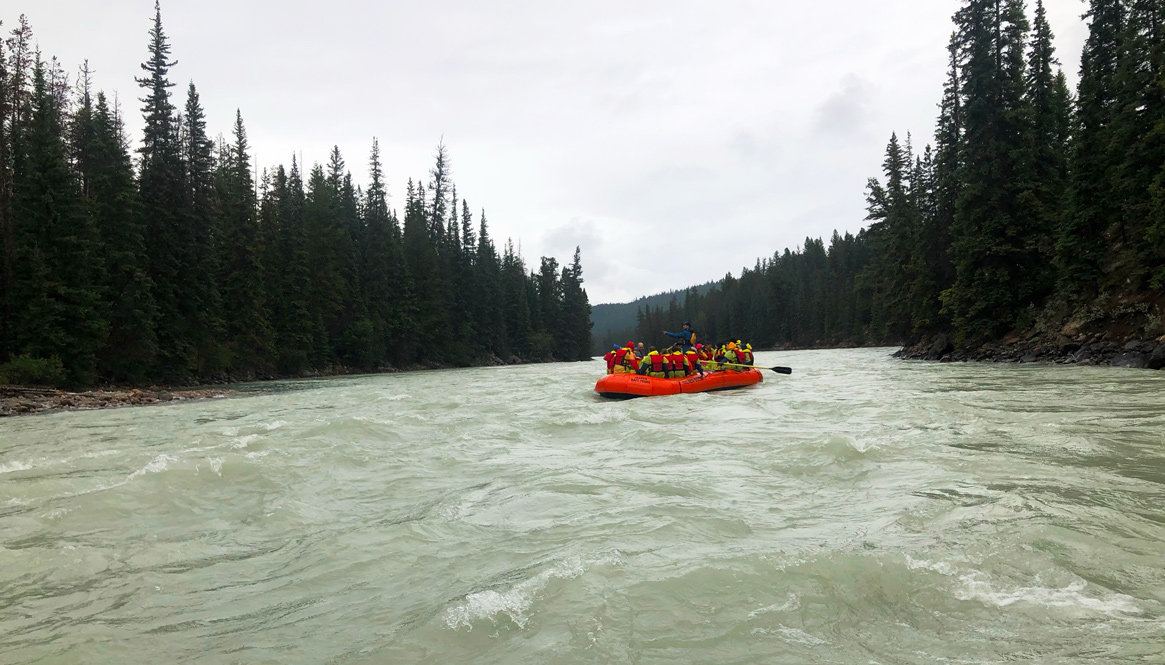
(296, 331)
(1042, 194)
(1138, 150)
(379, 262)
(988, 239)
(160, 186)
(7, 222)
(199, 295)
(110, 195)
(57, 248)
(1093, 210)
(248, 329)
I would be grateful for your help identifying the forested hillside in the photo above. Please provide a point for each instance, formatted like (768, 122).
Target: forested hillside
(1034, 213)
(173, 264)
(612, 321)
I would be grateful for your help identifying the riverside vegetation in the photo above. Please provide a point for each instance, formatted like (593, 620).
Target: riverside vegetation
(1032, 229)
(174, 267)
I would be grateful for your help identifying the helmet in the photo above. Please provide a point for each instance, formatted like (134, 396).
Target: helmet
(731, 345)
(699, 346)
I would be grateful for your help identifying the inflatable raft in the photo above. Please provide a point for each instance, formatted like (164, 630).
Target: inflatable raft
(634, 385)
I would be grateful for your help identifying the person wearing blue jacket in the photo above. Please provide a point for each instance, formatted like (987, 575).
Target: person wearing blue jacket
(687, 337)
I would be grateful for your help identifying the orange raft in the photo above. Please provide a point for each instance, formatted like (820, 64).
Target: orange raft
(634, 385)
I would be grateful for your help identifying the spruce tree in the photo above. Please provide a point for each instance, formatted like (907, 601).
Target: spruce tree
(1093, 209)
(58, 260)
(1138, 150)
(1043, 192)
(295, 325)
(988, 236)
(7, 222)
(199, 295)
(379, 258)
(160, 186)
(248, 329)
(111, 198)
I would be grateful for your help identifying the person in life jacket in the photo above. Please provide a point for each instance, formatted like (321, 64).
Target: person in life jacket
(609, 357)
(747, 354)
(625, 361)
(678, 363)
(693, 358)
(687, 337)
(654, 364)
(732, 356)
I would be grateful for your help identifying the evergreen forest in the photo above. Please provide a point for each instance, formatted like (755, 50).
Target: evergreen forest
(177, 262)
(1033, 210)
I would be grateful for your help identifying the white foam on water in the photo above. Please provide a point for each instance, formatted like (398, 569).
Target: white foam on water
(274, 425)
(101, 453)
(156, 465)
(12, 467)
(215, 465)
(791, 635)
(57, 513)
(940, 567)
(792, 604)
(244, 441)
(17, 501)
(393, 398)
(230, 431)
(977, 587)
(594, 417)
(514, 602)
(257, 455)
(798, 636)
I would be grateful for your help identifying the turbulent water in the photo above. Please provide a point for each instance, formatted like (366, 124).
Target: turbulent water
(862, 510)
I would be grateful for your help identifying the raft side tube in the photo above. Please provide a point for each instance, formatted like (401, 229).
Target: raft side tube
(635, 385)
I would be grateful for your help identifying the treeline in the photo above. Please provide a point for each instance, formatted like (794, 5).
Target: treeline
(1032, 207)
(176, 266)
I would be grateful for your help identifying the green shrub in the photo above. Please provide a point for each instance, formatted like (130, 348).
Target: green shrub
(26, 370)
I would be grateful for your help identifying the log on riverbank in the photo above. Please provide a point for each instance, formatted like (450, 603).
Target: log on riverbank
(22, 400)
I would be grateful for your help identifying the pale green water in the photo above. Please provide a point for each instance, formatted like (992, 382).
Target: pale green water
(863, 510)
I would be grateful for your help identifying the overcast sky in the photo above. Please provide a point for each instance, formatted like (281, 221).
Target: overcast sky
(674, 141)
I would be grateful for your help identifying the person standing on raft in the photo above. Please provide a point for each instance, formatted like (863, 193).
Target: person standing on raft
(687, 337)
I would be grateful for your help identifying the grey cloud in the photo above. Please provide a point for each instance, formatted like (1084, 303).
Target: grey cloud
(844, 112)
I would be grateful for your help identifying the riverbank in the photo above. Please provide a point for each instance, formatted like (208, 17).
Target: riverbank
(1103, 349)
(30, 400)
(22, 400)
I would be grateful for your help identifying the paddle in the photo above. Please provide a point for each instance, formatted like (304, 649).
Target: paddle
(778, 370)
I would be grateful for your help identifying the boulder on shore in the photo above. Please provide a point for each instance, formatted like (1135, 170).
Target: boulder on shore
(942, 346)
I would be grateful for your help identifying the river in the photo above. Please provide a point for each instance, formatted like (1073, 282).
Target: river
(863, 510)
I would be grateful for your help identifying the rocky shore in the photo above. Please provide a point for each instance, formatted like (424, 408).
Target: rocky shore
(1067, 348)
(19, 400)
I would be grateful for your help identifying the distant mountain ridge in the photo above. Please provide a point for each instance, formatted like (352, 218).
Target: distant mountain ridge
(612, 318)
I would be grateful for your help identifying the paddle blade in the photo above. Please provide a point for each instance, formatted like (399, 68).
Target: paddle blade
(782, 370)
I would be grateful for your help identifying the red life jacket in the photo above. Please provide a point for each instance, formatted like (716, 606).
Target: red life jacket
(676, 361)
(693, 360)
(610, 358)
(657, 364)
(622, 359)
